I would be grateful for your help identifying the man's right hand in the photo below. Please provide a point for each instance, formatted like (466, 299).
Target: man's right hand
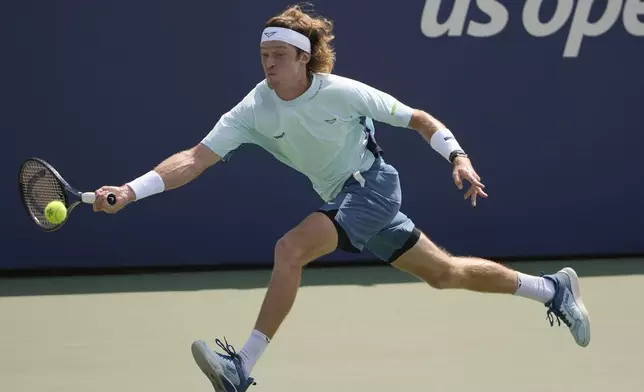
(124, 195)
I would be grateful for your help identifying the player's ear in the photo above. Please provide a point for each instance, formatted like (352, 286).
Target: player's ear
(304, 57)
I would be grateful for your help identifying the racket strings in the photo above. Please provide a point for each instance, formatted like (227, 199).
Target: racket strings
(38, 187)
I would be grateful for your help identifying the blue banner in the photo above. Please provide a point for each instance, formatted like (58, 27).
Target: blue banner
(547, 97)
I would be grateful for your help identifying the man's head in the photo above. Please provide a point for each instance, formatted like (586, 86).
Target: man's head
(295, 44)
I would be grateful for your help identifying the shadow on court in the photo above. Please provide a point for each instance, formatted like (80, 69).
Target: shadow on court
(186, 280)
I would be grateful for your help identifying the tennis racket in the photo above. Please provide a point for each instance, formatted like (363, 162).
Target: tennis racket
(40, 184)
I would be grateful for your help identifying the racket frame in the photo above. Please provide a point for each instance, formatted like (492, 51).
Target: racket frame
(83, 197)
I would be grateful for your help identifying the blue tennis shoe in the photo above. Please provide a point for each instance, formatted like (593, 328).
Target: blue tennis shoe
(567, 305)
(225, 371)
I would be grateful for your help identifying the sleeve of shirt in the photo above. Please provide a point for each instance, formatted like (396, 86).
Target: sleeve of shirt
(233, 129)
(378, 105)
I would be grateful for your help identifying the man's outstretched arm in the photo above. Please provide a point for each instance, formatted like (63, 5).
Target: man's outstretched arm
(174, 172)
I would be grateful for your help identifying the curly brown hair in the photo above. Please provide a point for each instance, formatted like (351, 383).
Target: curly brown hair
(318, 29)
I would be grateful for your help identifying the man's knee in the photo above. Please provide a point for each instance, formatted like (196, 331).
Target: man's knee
(288, 254)
(314, 237)
(445, 276)
(432, 264)
(447, 269)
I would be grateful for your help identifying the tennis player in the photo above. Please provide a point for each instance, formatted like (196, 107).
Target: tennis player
(323, 126)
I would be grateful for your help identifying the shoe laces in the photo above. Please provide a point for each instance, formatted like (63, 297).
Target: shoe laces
(558, 316)
(230, 350)
(553, 314)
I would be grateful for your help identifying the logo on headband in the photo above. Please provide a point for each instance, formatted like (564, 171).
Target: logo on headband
(270, 33)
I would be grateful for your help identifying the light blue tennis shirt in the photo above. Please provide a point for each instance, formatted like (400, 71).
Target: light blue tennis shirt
(321, 133)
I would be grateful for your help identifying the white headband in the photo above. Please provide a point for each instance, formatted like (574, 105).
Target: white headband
(287, 35)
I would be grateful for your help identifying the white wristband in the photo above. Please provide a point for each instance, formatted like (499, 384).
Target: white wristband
(444, 142)
(147, 185)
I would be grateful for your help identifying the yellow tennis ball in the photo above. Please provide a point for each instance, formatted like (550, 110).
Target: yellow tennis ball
(56, 212)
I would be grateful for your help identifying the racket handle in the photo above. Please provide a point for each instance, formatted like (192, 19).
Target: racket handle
(90, 197)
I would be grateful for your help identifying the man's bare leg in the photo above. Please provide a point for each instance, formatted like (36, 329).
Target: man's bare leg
(443, 271)
(560, 292)
(315, 237)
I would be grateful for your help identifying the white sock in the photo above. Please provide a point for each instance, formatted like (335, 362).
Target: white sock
(253, 349)
(535, 287)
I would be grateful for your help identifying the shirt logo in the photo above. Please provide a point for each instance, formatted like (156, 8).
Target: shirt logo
(339, 118)
(279, 136)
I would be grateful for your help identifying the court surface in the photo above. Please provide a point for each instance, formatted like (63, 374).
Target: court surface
(352, 329)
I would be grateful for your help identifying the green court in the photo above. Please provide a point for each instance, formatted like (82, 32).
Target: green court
(352, 329)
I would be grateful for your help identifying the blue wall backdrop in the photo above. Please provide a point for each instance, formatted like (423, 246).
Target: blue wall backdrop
(548, 101)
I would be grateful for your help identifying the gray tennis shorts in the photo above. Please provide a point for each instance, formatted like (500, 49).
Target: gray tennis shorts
(367, 214)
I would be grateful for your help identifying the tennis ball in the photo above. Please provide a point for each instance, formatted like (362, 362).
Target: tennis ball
(55, 212)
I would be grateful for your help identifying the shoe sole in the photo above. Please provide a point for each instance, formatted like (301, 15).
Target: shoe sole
(576, 292)
(208, 364)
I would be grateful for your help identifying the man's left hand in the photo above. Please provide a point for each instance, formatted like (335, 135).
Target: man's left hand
(463, 170)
